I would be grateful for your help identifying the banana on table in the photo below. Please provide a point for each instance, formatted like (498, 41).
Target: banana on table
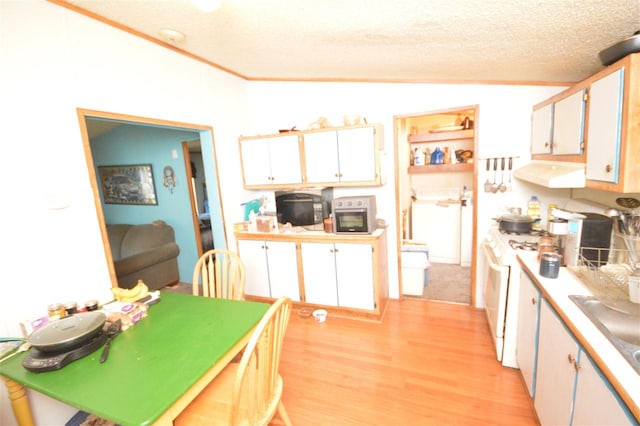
(139, 291)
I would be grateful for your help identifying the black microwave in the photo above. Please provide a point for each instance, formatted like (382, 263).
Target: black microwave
(354, 215)
(301, 208)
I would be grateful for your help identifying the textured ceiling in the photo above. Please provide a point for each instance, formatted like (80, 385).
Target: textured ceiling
(389, 40)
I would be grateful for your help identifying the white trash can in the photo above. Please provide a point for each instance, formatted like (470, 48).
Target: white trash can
(415, 272)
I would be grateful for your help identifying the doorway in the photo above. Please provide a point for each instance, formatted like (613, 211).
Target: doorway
(435, 182)
(179, 207)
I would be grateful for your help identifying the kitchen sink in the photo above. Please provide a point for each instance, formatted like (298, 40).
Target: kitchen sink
(622, 329)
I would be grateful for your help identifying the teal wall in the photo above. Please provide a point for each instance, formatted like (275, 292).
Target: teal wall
(143, 144)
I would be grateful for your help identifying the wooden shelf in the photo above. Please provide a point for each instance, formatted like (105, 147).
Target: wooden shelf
(442, 168)
(441, 136)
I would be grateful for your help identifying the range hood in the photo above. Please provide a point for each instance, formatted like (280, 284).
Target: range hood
(553, 174)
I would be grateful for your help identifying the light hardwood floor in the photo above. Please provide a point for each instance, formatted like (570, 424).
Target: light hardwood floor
(428, 363)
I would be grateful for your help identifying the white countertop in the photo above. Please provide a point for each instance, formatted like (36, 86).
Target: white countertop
(616, 368)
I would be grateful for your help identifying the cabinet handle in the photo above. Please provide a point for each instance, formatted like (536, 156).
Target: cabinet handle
(336, 175)
(547, 144)
(608, 168)
(572, 360)
(533, 301)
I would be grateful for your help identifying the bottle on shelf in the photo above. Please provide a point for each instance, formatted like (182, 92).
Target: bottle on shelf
(437, 156)
(418, 157)
(446, 156)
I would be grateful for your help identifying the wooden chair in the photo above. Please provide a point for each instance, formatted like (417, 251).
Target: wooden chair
(249, 392)
(219, 273)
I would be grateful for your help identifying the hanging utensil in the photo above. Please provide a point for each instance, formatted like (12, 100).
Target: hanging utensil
(503, 186)
(510, 172)
(494, 185)
(487, 184)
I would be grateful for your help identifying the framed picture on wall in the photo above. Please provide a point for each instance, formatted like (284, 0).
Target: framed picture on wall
(128, 184)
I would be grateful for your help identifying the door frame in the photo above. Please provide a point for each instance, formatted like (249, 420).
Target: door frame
(400, 133)
(83, 115)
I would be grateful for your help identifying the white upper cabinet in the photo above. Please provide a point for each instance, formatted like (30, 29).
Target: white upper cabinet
(605, 121)
(321, 157)
(270, 161)
(342, 156)
(557, 128)
(541, 128)
(568, 124)
(337, 157)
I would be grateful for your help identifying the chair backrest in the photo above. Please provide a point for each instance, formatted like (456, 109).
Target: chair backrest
(258, 387)
(219, 273)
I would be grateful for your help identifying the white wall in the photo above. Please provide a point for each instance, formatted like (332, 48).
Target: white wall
(503, 127)
(55, 61)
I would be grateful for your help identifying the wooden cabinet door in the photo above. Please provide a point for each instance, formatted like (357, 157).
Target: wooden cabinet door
(354, 272)
(254, 258)
(596, 403)
(321, 157)
(284, 157)
(256, 166)
(283, 269)
(527, 341)
(555, 375)
(357, 155)
(541, 128)
(271, 161)
(568, 125)
(319, 271)
(605, 121)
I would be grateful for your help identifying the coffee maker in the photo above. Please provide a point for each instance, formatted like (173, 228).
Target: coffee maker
(588, 236)
(558, 228)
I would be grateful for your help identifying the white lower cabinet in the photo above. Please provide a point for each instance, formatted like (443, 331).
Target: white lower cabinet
(557, 355)
(527, 342)
(338, 274)
(271, 268)
(569, 389)
(595, 403)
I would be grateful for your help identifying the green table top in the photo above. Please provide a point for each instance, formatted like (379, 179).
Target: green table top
(151, 364)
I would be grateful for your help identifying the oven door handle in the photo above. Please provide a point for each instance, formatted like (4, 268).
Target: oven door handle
(491, 259)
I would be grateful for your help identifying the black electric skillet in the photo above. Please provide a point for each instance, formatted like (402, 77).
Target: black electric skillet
(65, 340)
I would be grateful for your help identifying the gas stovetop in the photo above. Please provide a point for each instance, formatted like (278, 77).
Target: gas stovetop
(504, 245)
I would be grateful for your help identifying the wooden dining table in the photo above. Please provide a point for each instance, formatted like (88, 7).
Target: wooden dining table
(154, 369)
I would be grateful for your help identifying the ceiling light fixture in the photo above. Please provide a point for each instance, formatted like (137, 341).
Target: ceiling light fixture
(207, 5)
(172, 35)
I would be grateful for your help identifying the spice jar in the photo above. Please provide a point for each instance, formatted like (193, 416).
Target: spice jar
(71, 308)
(56, 311)
(91, 305)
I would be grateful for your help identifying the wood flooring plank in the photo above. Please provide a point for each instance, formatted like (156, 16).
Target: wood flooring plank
(427, 363)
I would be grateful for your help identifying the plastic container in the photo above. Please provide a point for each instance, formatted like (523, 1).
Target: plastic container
(418, 157)
(415, 272)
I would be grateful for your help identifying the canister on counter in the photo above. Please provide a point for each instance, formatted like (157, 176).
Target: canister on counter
(550, 265)
(328, 225)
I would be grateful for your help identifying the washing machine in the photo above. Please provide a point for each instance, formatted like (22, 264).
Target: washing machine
(435, 220)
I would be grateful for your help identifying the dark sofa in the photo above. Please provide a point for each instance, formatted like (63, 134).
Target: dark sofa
(145, 252)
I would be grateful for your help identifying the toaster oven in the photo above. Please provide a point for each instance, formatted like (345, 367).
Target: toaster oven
(354, 215)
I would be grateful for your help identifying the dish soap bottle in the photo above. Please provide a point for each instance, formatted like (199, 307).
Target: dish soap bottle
(533, 211)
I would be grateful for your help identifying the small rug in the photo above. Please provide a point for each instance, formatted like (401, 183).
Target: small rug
(449, 283)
